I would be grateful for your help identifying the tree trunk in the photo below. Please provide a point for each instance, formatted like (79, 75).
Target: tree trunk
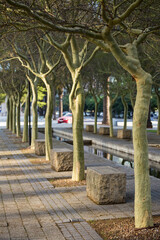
(131, 63)
(10, 114)
(125, 105)
(143, 213)
(111, 120)
(54, 104)
(158, 104)
(48, 120)
(34, 115)
(106, 105)
(26, 112)
(60, 104)
(14, 117)
(18, 128)
(77, 106)
(104, 110)
(112, 101)
(95, 115)
(8, 109)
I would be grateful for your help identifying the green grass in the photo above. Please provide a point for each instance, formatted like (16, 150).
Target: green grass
(154, 131)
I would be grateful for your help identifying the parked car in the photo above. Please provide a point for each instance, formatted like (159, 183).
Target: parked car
(66, 118)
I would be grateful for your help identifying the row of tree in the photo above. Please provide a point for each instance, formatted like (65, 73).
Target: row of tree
(55, 29)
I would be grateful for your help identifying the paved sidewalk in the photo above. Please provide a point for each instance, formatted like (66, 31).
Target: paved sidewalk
(30, 208)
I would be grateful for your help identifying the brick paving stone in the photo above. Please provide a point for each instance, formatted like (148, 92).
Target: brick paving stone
(90, 230)
(30, 203)
(65, 232)
(82, 231)
(4, 233)
(31, 208)
(75, 234)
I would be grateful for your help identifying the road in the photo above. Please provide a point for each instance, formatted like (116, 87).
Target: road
(118, 123)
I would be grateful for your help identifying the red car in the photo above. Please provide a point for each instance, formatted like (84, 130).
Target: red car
(66, 118)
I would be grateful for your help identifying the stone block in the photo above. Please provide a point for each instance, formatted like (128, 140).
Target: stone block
(124, 134)
(40, 147)
(61, 159)
(104, 130)
(89, 128)
(106, 185)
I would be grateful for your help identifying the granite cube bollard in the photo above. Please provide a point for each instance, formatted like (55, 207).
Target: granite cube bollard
(106, 185)
(40, 147)
(61, 159)
(89, 128)
(124, 134)
(104, 130)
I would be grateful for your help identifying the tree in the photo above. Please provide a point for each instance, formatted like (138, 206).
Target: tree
(2, 96)
(75, 61)
(26, 112)
(42, 69)
(22, 52)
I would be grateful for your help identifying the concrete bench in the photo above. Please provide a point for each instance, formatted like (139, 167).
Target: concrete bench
(89, 128)
(106, 185)
(104, 130)
(61, 159)
(40, 147)
(124, 134)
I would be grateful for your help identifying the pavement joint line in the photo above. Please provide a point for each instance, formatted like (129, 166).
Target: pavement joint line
(32, 183)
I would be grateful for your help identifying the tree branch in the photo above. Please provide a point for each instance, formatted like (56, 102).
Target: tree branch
(52, 25)
(127, 12)
(91, 56)
(54, 66)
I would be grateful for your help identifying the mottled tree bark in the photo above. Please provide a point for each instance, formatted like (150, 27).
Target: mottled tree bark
(77, 106)
(143, 213)
(26, 111)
